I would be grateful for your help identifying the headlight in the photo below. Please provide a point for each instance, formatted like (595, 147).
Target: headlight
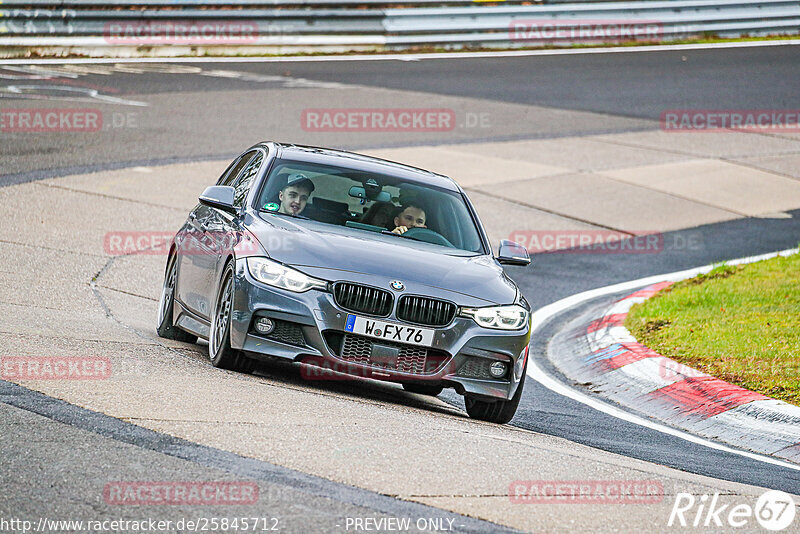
(274, 274)
(511, 317)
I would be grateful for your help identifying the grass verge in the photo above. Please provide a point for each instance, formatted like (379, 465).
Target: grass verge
(740, 324)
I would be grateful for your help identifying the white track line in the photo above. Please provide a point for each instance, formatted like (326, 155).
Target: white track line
(409, 57)
(537, 373)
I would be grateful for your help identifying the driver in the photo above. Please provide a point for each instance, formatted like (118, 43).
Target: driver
(294, 195)
(411, 216)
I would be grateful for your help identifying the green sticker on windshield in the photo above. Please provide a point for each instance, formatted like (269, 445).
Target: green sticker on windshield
(271, 206)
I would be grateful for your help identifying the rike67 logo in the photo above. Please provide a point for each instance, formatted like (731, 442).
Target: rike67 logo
(774, 511)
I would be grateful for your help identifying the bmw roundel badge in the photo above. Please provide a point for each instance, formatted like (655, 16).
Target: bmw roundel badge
(397, 285)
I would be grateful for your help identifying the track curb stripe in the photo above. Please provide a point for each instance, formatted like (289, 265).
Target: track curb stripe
(634, 375)
(706, 397)
(764, 430)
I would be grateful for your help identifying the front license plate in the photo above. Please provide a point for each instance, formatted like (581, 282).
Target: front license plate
(389, 331)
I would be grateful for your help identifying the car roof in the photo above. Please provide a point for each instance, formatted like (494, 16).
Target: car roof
(361, 162)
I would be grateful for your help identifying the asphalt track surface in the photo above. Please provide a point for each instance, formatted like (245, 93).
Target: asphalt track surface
(621, 86)
(636, 86)
(629, 85)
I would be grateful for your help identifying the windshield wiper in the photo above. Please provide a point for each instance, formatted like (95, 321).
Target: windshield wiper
(298, 216)
(389, 232)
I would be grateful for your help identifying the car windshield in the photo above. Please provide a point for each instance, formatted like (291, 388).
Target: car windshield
(369, 202)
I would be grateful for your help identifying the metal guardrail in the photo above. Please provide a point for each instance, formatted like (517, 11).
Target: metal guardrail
(326, 25)
(667, 20)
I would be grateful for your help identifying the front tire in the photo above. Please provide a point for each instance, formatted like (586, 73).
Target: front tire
(501, 411)
(220, 352)
(166, 306)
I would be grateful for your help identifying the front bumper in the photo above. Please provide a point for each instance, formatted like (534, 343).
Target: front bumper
(313, 328)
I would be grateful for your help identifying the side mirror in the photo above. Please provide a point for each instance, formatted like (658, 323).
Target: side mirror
(220, 197)
(511, 253)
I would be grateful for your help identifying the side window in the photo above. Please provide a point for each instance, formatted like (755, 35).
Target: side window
(242, 185)
(232, 171)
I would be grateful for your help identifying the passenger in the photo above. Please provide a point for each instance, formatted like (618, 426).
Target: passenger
(380, 214)
(294, 195)
(411, 216)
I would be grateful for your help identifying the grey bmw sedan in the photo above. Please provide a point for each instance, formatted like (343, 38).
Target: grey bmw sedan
(350, 265)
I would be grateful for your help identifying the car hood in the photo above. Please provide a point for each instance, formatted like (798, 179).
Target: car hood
(332, 252)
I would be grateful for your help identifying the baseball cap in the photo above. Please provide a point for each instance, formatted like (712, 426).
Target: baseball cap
(298, 179)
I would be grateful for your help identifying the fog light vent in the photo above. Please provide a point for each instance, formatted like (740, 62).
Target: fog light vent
(264, 325)
(498, 369)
